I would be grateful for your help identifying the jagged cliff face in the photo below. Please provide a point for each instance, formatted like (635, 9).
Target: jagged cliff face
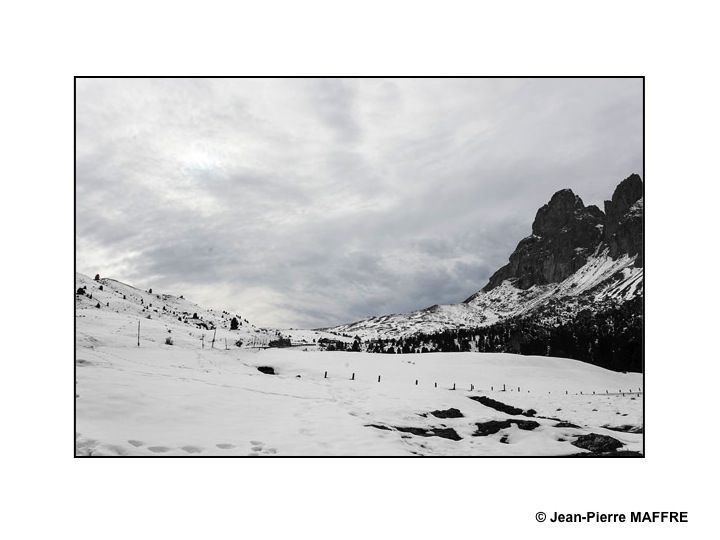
(624, 220)
(566, 233)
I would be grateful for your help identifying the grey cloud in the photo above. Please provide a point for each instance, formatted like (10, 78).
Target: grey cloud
(316, 202)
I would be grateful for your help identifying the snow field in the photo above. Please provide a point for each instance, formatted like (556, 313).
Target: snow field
(188, 400)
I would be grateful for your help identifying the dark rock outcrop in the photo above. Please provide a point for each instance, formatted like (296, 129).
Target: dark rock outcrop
(618, 454)
(448, 413)
(596, 443)
(493, 426)
(565, 424)
(624, 219)
(445, 433)
(564, 234)
(502, 407)
(625, 428)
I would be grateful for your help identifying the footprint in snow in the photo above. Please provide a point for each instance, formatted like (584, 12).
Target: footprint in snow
(136, 443)
(225, 446)
(258, 449)
(159, 449)
(191, 449)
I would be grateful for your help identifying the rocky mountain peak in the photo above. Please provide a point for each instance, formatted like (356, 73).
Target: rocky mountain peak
(566, 232)
(556, 214)
(627, 193)
(624, 219)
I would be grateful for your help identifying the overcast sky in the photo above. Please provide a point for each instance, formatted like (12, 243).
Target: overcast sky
(314, 202)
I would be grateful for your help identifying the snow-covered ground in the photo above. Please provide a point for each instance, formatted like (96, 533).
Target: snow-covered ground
(183, 399)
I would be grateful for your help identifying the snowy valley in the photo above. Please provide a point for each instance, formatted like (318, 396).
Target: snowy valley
(180, 394)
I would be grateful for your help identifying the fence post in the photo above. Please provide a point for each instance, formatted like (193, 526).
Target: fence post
(378, 378)
(213, 340)
(416, 381)
(472, 387)
(503, 387)
(353, 377)
(453, 386)
(325, 375)
(435, 385)
(138, 333)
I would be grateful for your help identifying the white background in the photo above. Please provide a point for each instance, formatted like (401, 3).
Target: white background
(48, 494)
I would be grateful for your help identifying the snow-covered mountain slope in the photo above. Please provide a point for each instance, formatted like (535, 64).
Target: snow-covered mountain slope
(109, 308)
(123, 298)
(107, 301)
(576, 258)
(601, 280)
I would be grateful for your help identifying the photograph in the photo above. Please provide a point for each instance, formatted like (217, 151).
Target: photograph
(352, 270)
(365, 266)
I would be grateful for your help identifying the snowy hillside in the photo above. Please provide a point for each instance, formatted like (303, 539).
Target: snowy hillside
(601, 280)
(109, 304)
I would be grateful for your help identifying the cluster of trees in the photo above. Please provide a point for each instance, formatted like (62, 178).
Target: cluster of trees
(339, 345)
(332, 344)
(280, 341)
(611, 338)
